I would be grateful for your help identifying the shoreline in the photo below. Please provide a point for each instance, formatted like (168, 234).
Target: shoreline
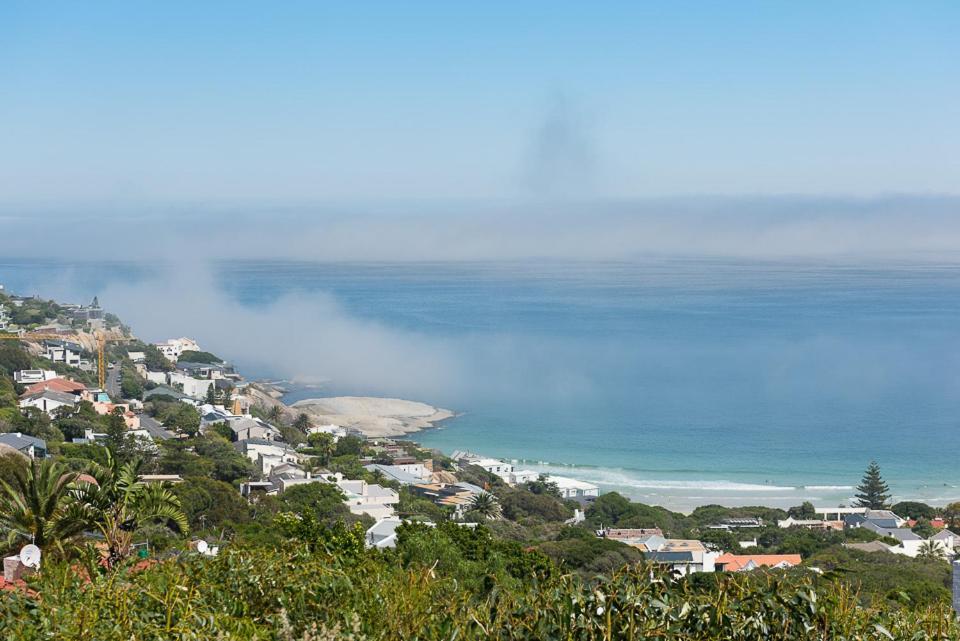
(650, 487)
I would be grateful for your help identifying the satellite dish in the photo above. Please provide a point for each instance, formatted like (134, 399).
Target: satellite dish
(30, 556)
(202, 546)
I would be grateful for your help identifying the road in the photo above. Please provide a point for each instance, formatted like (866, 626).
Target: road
(113, 383)
(155, 429)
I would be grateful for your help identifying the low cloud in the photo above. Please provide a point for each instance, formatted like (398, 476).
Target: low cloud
(751, 228)
(298, 337)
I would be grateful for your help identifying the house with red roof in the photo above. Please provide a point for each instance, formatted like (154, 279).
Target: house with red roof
(63, 385)
(746, 562)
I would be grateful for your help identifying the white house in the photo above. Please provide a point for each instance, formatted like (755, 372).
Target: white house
(30, 376)
(26, 445)
(366, 498)
(173, 347)
(492, 465)
(400, 473)
(335, 431)
(137, 357)
(210, 414)
(360, 497)
(63, 352)
(160, 378)
(947, 539)
(909, 541)
(519, 477)
(683, 556)
(383, 533)
(248, 427)
(192, 387)
(48, 401)
(4, 319)
(267, 454)
(572, 488)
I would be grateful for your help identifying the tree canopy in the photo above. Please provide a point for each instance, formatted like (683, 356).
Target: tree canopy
(873, 492)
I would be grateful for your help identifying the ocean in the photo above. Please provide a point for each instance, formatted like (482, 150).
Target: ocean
(678, 382)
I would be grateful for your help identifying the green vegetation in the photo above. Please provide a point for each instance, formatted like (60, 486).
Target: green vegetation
(440, 583)
(191, 356)
(888, 580)
(873, 492)
(33, 312)
(131, 385)
(53, 507)
(176, 416)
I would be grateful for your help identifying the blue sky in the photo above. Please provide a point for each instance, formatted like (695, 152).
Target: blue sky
(294, 102)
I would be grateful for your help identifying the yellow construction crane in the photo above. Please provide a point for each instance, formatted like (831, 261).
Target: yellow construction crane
(35, 337)
(101, 361)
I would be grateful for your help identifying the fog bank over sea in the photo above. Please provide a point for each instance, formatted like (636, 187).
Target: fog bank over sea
(677, 381)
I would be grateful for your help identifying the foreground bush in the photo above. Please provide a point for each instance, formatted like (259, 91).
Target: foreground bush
(311, 595)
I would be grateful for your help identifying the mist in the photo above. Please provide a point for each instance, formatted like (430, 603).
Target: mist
(313, 336)
(533, 228)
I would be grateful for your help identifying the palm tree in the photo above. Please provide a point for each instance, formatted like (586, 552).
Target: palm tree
(37, 506)
(302, 422)
(325, 444)
(931, 550)
(275, 414)
(118, 504)
(486, 505)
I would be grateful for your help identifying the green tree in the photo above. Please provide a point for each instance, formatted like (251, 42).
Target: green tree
(951, 513)
(119, 504)
(302, 422)
(37, 506)
(11, 463)
(485, 505)
(130, 384)
(914, 510)
(324, 444)
(873, 492)
(179, 457)
(33, 421)
(543, 485)
(923, 528)
(223, 429)
(323, 500)
(336, 539)
(182, 418)
(229, 465)
(518, 504)
(13, 357)
(275, 413)
(349, 445)
(209, 503)
(72, 428)
(190, 356)
(806, 510)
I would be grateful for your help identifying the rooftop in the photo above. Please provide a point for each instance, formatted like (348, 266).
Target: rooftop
(51, 395)
(56, 384)
(738, 562)
(21, 441)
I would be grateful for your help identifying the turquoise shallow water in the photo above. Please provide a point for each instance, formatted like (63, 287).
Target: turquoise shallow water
(678, 381)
